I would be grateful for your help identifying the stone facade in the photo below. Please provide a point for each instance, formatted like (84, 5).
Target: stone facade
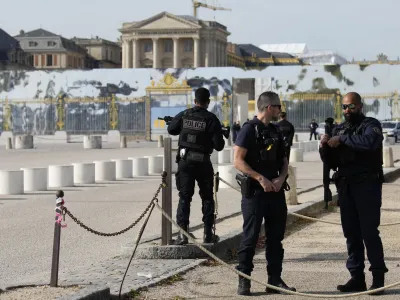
(51, 51)
(107, 54)
(12, 57)
(170, 41)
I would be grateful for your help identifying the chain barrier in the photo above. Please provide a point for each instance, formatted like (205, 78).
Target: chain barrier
(212, 255)
(305, 217)
(77, 221)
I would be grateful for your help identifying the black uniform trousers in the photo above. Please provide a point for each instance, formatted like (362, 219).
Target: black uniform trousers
(188, 173)
(272, 208)
(360, 211)
(313, 133)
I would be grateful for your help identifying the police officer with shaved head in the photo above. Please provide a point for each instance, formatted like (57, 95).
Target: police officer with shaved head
(355, 152)
(260, 155)
(200, 132)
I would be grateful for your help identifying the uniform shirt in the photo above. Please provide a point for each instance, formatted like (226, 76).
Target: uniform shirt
(247, 139)
(213, 127)
(313, 126)
(287, 130)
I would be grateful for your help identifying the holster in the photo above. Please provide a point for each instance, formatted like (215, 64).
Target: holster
(244, 182)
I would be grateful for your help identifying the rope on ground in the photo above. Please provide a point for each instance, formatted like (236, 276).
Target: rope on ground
(305, 217)
(263, 283)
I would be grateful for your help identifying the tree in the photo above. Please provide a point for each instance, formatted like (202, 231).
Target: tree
(382, 57)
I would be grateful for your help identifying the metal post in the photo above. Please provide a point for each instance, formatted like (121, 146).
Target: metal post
(166, 226)
(56, 243)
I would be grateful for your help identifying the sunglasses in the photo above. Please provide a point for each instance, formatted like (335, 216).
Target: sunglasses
(350, 106)
(278, 106)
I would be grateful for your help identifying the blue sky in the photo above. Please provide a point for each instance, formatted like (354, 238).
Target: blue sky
(356, 28)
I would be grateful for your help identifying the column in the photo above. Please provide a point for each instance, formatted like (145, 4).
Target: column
(196, 50)
(135, 58)
(176, 53)
(155, 53)
(206, 53)
(130, 54)
(217, 54)
(224, 56)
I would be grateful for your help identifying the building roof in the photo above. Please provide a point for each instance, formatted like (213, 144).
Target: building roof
(250, 49)
(294, 49)
(93, 41)
(36, 33)
(7, 42)
(39, 33)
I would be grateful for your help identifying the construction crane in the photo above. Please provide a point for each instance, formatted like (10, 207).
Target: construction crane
(197, 4)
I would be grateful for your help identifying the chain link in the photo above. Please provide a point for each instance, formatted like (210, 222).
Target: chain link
(155, 199)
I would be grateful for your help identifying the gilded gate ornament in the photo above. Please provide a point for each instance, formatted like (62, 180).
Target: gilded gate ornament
(113, 113)
(60, 112)
(7, 123)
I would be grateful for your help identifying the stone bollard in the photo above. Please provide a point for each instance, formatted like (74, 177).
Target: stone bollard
(104, 170)
(140, 166)
(9, 143)
(228, 173)
(123, 143)
(60, 176)
(388, 157)
(224, 156)
(24, 142)
(92, 142)
(11, 182)
(160, 141)
(156, 164)
(291, 195)
(123, 168)
(35, 179)
(296, 155)
(84, 173)
(295, 138)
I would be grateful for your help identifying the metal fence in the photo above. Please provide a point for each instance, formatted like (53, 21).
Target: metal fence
(74, 115)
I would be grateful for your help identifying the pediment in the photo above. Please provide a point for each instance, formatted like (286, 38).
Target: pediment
(165, 21)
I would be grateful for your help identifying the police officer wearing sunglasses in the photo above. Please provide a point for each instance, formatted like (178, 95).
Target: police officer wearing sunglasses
(356, 150)
(260, 155)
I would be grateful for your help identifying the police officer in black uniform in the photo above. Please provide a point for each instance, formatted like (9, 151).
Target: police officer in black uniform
(260, 155)
(200, 132)
(356, 149)
(287, 129)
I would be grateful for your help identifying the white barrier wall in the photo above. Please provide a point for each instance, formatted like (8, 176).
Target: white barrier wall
(296, 155)
(224, 156)
(60, 176)
(35, 179)
(140, 166)
(228, 173)
(123, 168)
(155, 164)
(105, 170)
(84, 173)
(92, 142)
(11, 182)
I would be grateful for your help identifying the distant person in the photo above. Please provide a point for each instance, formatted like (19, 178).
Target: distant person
(313, 129)
(287, 129)
(235, 130)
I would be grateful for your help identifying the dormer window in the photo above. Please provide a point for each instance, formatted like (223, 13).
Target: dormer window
(33, 44)
(51, 43)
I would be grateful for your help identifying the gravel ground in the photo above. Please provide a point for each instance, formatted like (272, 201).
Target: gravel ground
(315, 255)
(38, 293)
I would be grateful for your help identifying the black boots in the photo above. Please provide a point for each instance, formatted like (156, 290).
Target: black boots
(355, 284)
(244, 286)
(378, 281)
(278, 282)
(182, 239)
(209, 237)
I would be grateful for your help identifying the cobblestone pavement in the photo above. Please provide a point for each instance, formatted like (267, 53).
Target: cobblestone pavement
(315, 256)
(111, 272)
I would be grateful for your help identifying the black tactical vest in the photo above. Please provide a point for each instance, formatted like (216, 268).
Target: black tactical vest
(194, 134)
(267, 156)
(351, 161)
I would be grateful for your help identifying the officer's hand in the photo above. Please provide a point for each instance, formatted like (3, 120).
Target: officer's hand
(324, 139)
(278, 182)
(267, 185)
(334, 141)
